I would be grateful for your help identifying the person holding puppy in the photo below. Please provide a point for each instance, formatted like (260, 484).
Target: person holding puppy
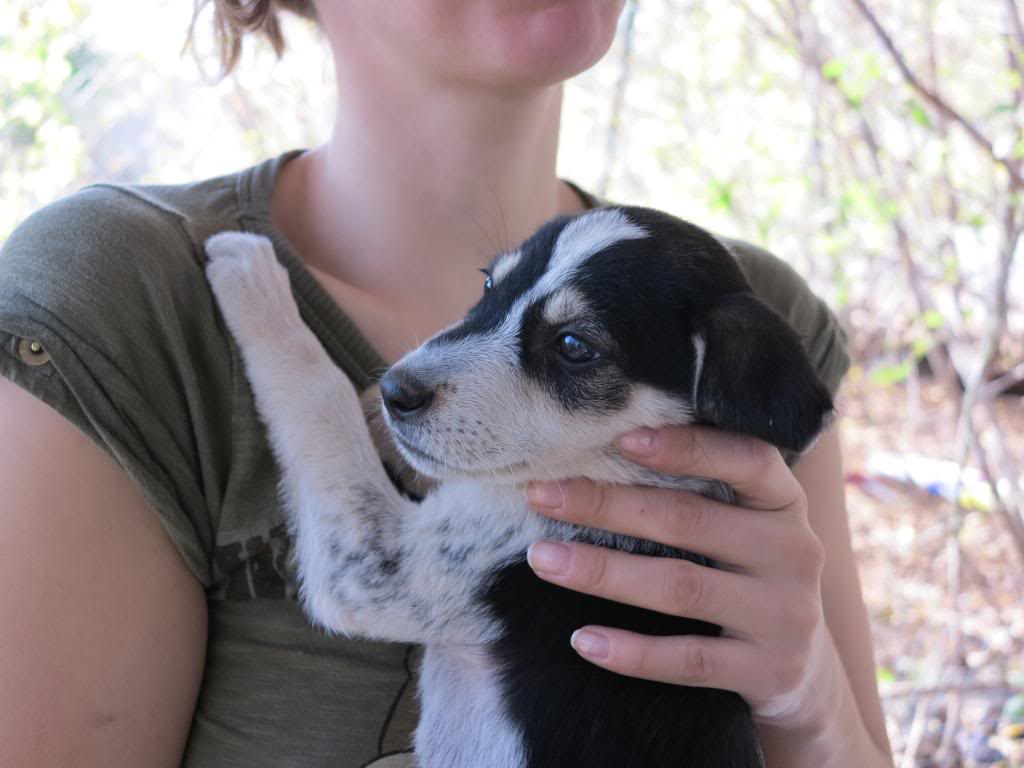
(147, 618)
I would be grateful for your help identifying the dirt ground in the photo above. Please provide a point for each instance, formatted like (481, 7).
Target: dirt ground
(900, 537)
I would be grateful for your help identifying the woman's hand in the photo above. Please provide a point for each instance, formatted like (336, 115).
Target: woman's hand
(764, 591)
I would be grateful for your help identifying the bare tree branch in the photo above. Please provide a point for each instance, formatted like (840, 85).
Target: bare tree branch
(1015, 22)
(893, 691)
(916, 733)
(813, 55)
(1010, 508)
(1000, 384)
(1012, 167)
(967, 436)
(762, 24)
(611, 152)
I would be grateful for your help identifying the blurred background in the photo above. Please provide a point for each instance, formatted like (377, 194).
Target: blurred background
(877, 145)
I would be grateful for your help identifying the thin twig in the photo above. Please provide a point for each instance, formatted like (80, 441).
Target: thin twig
(1015, 22)
(1012, 167)
(896, 691)
(916, 734)
(618, 101)
(1011, 519)
(994, 388)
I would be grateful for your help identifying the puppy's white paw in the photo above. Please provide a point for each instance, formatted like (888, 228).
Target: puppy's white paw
(250, 285)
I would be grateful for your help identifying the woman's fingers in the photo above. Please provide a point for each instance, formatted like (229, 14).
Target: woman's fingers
(766, 594)
(732, 536)
(697, 661)
(753, 468)
(667, 585)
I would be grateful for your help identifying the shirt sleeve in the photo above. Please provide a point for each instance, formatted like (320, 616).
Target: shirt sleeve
(106, 317)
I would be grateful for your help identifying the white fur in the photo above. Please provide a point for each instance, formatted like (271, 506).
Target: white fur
(463, 723)
(579, 240)
(505, 264)
(699, 348)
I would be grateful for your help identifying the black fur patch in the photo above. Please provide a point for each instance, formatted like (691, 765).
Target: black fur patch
(652, 295)
(576, 715)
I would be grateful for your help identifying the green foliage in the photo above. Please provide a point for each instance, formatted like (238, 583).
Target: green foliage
(888, 375)
(918, 113)
(856, 75)
(41, 150)
(1013, 710)
(933, 320)
(720, 194)
(866, 200)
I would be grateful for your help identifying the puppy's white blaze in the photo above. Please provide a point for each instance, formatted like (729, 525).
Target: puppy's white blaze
(582, 238)
(513, 320)
(564, 305)
(699, 348)
(505, 264)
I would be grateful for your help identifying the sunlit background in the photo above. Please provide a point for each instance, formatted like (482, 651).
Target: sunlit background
(877, 145)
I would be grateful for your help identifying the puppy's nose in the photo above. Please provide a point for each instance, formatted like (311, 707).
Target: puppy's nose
(404, 395)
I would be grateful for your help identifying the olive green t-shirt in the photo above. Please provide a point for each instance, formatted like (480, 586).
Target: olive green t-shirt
(105, 314)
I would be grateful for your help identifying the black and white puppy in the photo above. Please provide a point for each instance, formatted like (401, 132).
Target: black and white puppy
(600, 323)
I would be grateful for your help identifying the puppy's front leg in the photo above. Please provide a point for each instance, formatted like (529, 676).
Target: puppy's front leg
(350, 525)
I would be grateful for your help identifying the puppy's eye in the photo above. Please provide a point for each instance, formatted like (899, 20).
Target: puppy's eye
(575, 350)
(489, 282)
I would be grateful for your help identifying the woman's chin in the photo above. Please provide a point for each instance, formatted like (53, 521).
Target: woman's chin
(505, 44)
(548, 41)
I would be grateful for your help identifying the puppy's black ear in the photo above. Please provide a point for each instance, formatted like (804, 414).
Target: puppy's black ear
(754, 376)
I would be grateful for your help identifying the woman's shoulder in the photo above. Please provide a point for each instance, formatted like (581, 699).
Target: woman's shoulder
(118, 266)
(77, 252)
(114, 229)
(105, 315)
(114, 273)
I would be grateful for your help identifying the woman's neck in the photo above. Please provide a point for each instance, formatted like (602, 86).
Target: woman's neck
(403, 203)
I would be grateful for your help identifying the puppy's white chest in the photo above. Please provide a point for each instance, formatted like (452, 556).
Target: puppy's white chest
(463, 723)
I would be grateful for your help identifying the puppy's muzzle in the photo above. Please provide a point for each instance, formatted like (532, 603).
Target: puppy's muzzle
(404, 395)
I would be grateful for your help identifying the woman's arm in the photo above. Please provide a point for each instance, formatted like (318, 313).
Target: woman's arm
(820, 472)
(786, 586)
(102, 625)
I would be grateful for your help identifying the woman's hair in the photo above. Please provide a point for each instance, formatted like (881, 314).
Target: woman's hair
(234, 19)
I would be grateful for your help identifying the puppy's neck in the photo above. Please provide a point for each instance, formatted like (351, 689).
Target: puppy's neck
(608, 465)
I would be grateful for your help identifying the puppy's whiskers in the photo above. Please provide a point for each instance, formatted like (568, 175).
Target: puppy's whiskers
(512, 430)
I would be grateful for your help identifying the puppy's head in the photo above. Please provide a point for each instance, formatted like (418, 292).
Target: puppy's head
(600, 323)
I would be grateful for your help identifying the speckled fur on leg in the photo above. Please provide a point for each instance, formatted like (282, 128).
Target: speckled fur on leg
(358, 541)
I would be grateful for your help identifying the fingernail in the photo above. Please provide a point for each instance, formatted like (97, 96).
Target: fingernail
(549, 557)
(639, 443)
(548, 495)
(592, 644)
